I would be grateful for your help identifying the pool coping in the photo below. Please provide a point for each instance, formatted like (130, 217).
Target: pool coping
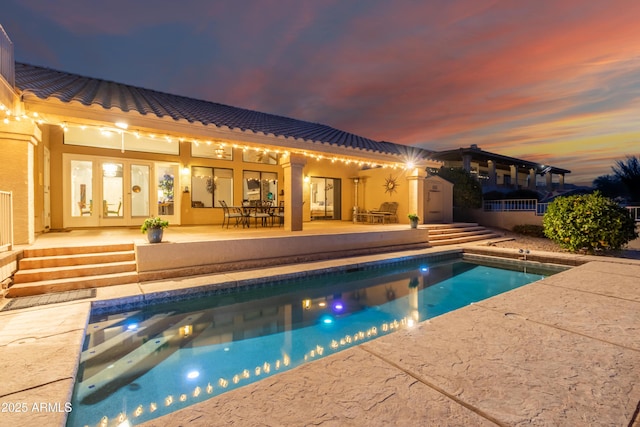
(53, 383)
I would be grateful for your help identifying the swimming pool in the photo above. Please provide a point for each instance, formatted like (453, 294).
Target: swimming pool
(144, 363)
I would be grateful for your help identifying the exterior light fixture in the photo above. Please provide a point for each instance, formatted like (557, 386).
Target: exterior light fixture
(122, 125)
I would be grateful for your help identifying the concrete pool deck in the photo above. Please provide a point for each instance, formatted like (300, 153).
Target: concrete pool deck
(561, 351)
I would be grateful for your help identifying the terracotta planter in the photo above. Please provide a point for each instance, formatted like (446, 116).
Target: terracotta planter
(154, 235)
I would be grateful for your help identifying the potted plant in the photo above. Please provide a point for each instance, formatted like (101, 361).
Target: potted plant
(413, 219)
(154, 228)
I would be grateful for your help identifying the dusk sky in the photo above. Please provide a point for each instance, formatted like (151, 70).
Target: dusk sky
(552, 81)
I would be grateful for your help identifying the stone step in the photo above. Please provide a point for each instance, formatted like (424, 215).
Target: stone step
(458, 233)
(76, 250)
(70, 284)
(50, 261)
(451, 225)
(84, 270)
(463, 239)
(442, 231)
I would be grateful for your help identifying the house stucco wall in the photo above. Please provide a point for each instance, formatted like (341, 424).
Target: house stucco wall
(504, 220)
(18, 141)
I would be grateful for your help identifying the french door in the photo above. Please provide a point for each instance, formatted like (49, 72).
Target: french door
(116, 192)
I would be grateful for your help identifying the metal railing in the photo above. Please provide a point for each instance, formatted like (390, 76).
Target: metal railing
(635, 212)
(7, 64)
(515, 205)
(6, 221)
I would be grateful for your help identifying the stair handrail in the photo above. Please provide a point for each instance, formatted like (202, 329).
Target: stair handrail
(6, 221)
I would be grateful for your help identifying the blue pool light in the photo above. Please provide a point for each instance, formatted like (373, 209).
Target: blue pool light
(424, 269)
(326, 320)
(132, 326)
(338, 306)
(192, 375)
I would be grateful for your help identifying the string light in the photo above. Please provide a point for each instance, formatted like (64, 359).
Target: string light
(123, 127)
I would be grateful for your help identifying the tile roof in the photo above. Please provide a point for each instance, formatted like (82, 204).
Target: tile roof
(46, 83)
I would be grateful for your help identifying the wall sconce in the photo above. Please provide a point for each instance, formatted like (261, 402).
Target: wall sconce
(307, 179)
(185, 171)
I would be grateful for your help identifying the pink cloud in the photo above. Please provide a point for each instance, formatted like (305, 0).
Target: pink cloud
(512, 77)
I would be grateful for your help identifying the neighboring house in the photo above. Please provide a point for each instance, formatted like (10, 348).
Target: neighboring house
(497, 172)
(84, 152)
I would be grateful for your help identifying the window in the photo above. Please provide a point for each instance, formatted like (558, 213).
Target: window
(211, 151)
(260, 186)
(260, 156)
(210, 185)
(120, 140)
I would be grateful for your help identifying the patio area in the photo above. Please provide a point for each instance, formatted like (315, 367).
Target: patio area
(194, 233)
(561, 351)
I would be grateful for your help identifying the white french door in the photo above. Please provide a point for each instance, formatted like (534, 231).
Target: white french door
(113, 192)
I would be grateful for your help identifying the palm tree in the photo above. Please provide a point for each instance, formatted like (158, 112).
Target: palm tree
(629, 173)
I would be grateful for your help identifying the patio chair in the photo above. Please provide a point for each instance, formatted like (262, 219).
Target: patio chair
(261, 211)
(279, 213)
(84, 208)
(111, 212)
(229, 213)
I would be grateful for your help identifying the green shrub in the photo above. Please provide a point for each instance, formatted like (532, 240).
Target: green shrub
(588, 222)
(529, 230)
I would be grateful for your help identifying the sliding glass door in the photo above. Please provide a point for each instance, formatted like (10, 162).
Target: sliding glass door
(325, 198)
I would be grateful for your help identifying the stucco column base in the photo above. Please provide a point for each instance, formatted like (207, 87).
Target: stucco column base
(415, 182)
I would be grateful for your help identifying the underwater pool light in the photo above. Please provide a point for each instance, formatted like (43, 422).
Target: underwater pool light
(424, 269)
(132, 327)
(193, 375)
(326, 320)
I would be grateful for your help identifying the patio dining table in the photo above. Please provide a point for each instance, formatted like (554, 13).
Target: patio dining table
(264, 213)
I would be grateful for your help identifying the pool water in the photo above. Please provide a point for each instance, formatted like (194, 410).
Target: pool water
(145, 363)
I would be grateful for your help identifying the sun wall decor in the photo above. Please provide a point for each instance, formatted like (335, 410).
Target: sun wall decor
(390, 184)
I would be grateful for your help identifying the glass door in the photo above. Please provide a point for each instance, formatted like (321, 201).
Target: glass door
(325, 198)
(79, 208)
(107, 192)
(112, 186)
(139, 194)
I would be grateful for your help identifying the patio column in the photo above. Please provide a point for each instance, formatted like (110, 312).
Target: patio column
(492, 173)
(415, 182)
(561, 181)
(549, 176)
(532, 179)
(293, 165)
(466, 162)
(514, 176)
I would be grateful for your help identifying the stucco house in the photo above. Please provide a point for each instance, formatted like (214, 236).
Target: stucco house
(79, 151)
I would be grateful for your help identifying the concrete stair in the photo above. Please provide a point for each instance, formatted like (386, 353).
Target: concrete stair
(47, 270)
(457, 233)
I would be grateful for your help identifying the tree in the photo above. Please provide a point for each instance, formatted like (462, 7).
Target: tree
(588, 222)
(611, 186)
(629, 174)
(467, 191)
